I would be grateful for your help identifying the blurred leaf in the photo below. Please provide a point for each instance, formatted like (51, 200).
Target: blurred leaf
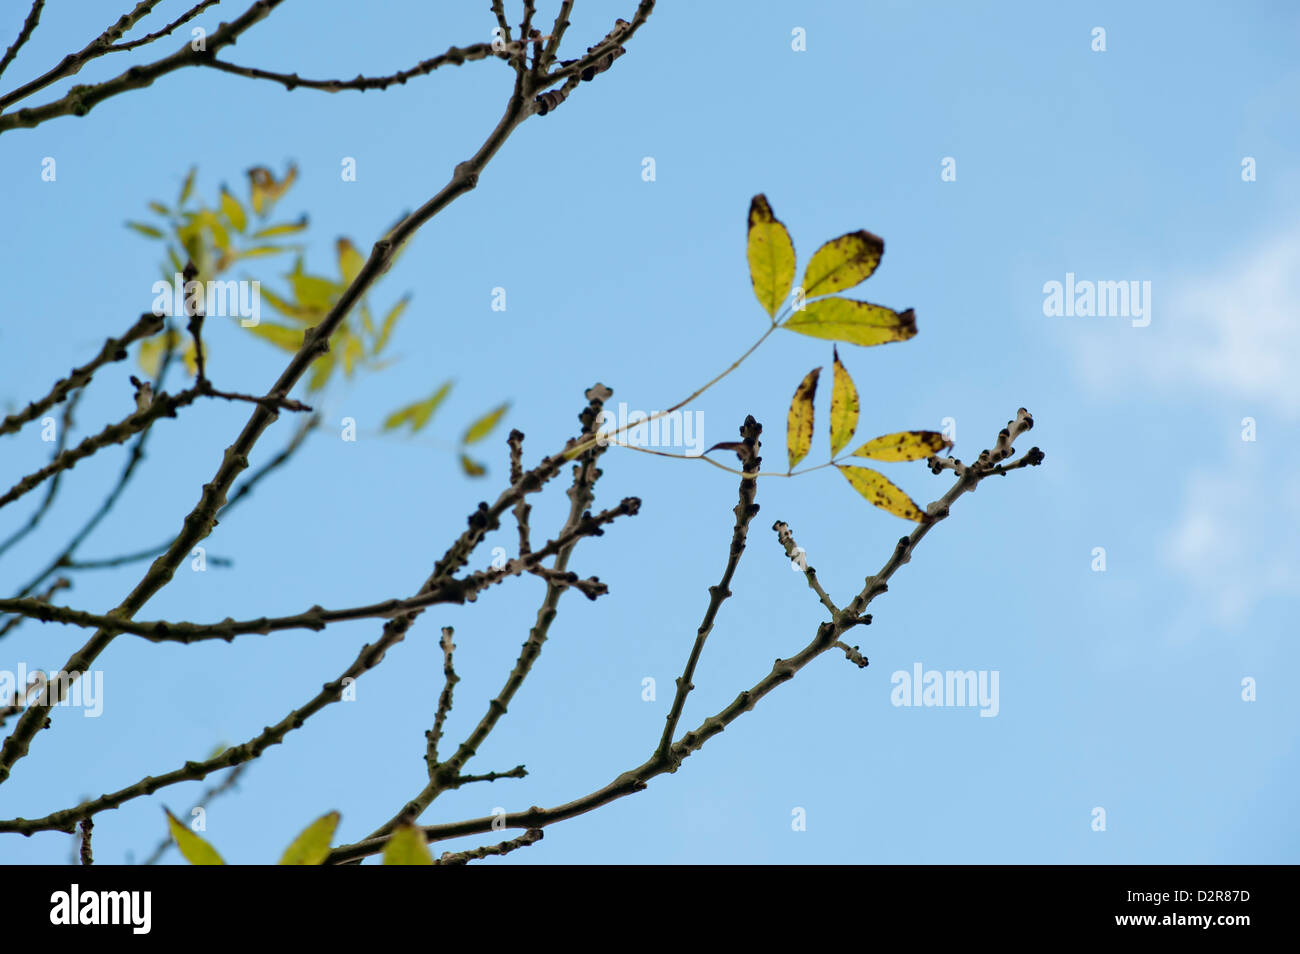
(194, 849)
(321, 370)
(313, 845)
(146, 230)
(844, 407)
(290, 339)
(418, 413)
(483, 426)
(853, 322)
(903, 445)
(284, 228)
(160, 208)
(878, 489)
(288, 309)
(390, 322)
(799, 422)
(233, 211)
(151, 351)
(407, 846)
(191, 356)
(472, 468)
(260, 250)
(352, 353)
(312, 291)
(350, 260)
(842, 263)
(771, 256)
(188, 186)
(265, 190)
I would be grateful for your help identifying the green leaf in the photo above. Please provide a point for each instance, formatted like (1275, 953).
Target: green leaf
(313, 845)
(290, 339)
(259, 250)
(903, 445)
(288, 309)
(853, 322)
(844, 407)
(471, 467)
(146, 230)
(352, 353)
(878, 489)
(799, 422)
(160, 208)
(483, 426)
(194, 849)
(312, 291)
(188, 186)
(233, 211)
(321, 369)
(390, 322)
(350, 260)
(418, 413)
(771, 256)
(284, 228)
(407, 846)
(842, 263)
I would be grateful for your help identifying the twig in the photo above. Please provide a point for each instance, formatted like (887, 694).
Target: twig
(204, 799)
(455, 56)
(530, 837)
(114, 350)
(434, 735)
(29, 25)
(61, 442)
(744, 510)
(87, 857)
(184, 18)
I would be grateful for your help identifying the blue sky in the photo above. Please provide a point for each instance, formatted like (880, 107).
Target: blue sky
(1119, 689)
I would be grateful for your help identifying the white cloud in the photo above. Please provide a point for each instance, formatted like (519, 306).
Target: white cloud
(1235, 331)
(1234, 541)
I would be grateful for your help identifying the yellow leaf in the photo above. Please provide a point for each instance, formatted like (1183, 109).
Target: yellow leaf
(407, 847)
(233, 211)
(771, 256)
(193, 848)
(290, 339)
(842, 263)
(903, 445)
(853, 322)
(799, 422)
(286, 228)
(321, 369)
(352, 353)
(483, 426)
(191, 357)
(148, 231)
(265, 190)
(844, 407)
(877, 488)
(313, 844)
(472, 467)
(390, 322)
(350, 260)
(188, 186)
(419, 412)
(313, 293)
(288, 309)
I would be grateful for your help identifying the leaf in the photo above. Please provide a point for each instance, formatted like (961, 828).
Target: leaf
(146, 230)
(284, 228)
(265, 190)
(353, 351)
(472, 467)
(259, 250)
(771, 256)
(853, 322)
(191, 356)
(151, 351)
(188, 186)
(233, 210)
(844, 407)
(842, 263)
(312, 291)
(419, 412)
(390, 322)
(483, 426)
(313, 845)
(799, 422)
(193, 848)
(350, 260)
(903, 445)
(160, 208)
(290, 339)
(321, 369)
(407, 846)
(288, 309)
(877, 488)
